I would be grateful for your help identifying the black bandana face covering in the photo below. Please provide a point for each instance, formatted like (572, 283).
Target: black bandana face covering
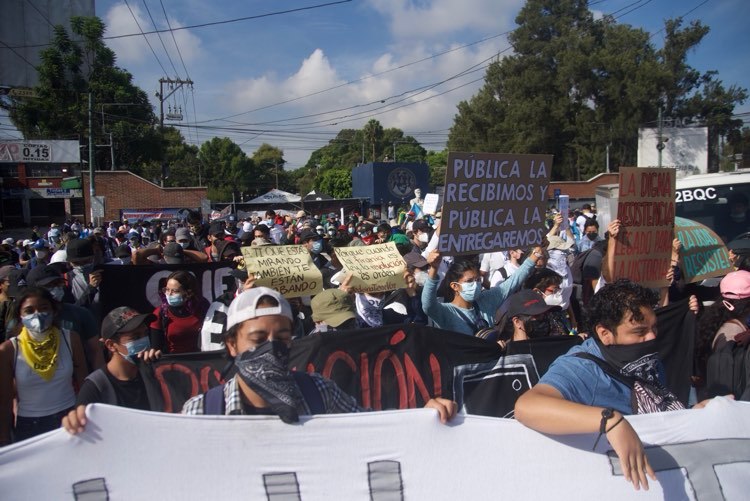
(639, 359)
(266, 371)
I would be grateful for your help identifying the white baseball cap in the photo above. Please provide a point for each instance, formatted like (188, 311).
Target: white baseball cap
(245, 306)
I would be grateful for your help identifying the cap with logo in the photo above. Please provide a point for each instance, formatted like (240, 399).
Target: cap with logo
(527, 302)
(123, 319)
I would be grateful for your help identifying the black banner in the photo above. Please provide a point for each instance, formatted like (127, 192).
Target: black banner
(401, 367)
(138, 286)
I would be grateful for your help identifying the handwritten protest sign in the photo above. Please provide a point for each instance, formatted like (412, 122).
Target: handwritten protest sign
(646, 210)
(703, 253)
(286, 268)
(493, 202)
(376, 268)
(430, 203)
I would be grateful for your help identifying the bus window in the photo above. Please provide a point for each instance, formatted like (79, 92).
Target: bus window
(723, 208)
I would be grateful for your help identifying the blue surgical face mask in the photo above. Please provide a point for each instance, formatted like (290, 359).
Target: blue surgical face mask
(38, 323)
(351, 230)
(470, 291)
(175, 300)
(135, 347)
(317, 247)
(184, 245)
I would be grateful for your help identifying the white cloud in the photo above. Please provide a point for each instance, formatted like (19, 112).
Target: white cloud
(432, 19)
(134, 50)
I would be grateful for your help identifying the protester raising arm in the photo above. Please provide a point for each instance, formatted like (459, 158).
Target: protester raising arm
(468, 308)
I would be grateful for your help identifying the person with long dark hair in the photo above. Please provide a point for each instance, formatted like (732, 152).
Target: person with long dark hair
(177, 328)
(468, 308)
(42, 363)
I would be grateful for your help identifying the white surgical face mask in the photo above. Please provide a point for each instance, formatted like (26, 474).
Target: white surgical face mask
(420, 277)
(555, 299)
(424, 237)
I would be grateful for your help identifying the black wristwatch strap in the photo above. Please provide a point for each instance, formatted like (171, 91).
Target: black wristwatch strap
(607, 414)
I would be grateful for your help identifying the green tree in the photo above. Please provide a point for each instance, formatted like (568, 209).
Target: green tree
(373, 133)
(438, 162)
(227, 169)
(68, 71)
(181, 158)
(269, 162)
(335, 182)
(577, 85)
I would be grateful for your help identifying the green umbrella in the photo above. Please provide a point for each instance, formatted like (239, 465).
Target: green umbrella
(703, 253)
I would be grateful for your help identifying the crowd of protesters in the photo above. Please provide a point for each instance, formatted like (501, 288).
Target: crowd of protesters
(61, 351)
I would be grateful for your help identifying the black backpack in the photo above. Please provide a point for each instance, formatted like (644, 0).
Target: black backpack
(728, 371)
(576, 269)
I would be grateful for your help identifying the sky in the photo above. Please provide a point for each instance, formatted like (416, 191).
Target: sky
(294, 79)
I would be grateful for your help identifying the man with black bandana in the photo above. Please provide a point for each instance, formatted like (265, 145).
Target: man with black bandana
(258, 337)
(589, 389)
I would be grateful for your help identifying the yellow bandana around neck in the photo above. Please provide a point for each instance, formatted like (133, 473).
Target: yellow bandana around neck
(40, 355)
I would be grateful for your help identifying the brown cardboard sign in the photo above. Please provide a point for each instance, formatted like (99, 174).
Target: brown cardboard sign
(646, 209)
(493, 202)
(288, 269)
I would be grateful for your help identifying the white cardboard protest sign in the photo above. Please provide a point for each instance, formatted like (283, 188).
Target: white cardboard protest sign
(128, 454)
(288, 269)
(430, 203)
(376, 268)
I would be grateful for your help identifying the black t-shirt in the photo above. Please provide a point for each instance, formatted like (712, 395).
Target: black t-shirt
(131, 394)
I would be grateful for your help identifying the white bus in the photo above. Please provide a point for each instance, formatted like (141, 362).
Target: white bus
(704, 198)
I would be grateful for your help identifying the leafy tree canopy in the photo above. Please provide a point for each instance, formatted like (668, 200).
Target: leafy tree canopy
(577, 85)
(68, 71)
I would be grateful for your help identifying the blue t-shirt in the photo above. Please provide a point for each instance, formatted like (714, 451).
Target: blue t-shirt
(582, 381)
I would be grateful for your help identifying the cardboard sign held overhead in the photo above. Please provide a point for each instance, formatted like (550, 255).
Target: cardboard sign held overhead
(563, 205)
(376, 268)
(288, 269)
(493, 202)
(430, 203)
(646, 209)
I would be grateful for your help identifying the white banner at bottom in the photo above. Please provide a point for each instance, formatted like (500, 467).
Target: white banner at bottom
(124, 454)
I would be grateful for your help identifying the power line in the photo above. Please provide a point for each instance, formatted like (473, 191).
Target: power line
(214, 23)
(406, 65)
(362, 79)
(169, 58)
(145, 37)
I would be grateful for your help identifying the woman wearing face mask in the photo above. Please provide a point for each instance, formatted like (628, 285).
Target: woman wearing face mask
(179, 319)
(42, 363)
(467, 308)
(547, 284)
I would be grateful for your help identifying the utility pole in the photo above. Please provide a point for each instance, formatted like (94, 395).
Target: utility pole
(175, 84)
(92, 192)
(660, 139)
